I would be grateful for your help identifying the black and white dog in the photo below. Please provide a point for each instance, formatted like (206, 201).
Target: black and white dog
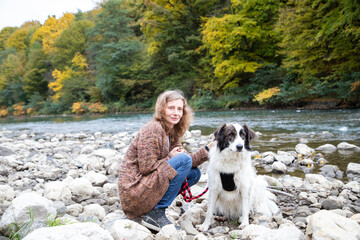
(235, 190)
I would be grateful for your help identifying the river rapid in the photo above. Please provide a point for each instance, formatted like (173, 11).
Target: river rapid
(278, 129)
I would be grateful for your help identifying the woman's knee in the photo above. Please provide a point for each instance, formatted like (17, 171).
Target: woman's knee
(186, 159)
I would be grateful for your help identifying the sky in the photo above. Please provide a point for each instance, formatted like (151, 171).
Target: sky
(13, 13)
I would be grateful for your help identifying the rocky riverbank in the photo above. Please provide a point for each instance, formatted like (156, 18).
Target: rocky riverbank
(69, 182)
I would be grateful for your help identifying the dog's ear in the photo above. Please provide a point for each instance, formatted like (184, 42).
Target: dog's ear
(249, 132)
(219, 131)
(220, 137)
(250, 135)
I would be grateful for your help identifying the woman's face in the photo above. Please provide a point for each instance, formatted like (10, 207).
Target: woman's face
(173, 112)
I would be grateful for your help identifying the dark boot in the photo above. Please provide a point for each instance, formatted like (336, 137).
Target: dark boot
(156, 219)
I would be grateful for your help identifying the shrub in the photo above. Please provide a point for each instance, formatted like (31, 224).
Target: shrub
(18, 109)
(79, 107)
(97, 107)
(266, 94)
(3, 112)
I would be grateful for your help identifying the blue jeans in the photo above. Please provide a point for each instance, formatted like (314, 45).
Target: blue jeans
(182, 164)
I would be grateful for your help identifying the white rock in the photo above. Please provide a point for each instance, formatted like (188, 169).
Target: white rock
(353, 168)
(40, 207)
(7, 193)
(76, 231)
(111, 189)
(87, 149)
(169, 232)
(326, 148)
(129, 230)
(278, 167)
(347, 146)
(90, 162)
(328, 225)
(94, 210)
(104, 153)
(354, 186)
(284, 232)
(96, 179)
(269, 159)
(57, 191)
(285, 159)
(74, 209)
(81, 187)
(304, 149)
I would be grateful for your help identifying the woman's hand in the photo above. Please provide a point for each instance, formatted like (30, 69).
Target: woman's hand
(175, 151)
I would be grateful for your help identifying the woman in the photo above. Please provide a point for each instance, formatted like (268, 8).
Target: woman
(155, 164)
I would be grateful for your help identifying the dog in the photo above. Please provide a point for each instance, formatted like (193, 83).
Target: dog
(235, 190)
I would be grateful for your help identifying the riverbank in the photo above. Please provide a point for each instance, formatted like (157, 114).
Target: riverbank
(72, 177)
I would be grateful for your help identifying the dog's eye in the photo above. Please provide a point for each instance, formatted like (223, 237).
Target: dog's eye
(242, 134)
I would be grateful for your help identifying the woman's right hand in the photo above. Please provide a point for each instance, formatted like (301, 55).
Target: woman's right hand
(175, 151)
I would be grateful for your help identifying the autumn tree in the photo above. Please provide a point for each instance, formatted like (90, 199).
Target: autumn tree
(71, 40)
(321, 38)
(52, 30)
(172, 30)
(241, 41)
(72, 84)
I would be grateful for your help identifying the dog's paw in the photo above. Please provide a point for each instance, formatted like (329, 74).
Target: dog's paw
(202, 227)
(243, 225)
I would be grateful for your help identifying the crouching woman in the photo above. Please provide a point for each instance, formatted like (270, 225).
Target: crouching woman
(155, 164)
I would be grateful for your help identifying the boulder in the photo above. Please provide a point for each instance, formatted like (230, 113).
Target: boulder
(76, 231)
(326, 148)
(347, 146)
(304, 150)
(331, 226)
(353, 168)
(126, 229)
(23, 206)
(278, 167)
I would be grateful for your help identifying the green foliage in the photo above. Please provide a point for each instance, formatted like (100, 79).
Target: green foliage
(71, 41)
(35, 69)
(114, 49)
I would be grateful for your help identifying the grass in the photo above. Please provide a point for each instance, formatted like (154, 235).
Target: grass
(17, 232)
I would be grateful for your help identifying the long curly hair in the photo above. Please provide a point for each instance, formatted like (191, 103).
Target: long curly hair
(180, 128)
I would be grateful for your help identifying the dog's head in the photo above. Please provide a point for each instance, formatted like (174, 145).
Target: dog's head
(234, 136)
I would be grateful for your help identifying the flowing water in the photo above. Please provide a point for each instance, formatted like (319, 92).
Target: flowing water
(280, 129)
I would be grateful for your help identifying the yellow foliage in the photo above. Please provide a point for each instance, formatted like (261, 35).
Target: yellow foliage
(59, 81)
(265, 95)
(79, 61)
(3, 112)
(18, 109)
(18, 39)
(51, 30)
(79, 107)
(355, 86)
(97, 107)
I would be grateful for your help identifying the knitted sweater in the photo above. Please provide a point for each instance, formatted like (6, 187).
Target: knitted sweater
(145, 173)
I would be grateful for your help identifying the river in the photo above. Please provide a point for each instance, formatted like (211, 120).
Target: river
(280, 129)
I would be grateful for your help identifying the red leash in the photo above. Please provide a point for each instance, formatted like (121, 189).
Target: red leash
(185, 188)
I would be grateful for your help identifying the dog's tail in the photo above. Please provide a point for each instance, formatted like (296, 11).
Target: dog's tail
(263, 199)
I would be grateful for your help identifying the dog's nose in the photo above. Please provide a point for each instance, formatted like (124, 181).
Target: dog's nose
(239, 147)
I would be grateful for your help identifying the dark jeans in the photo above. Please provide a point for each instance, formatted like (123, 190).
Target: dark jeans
(182, 164)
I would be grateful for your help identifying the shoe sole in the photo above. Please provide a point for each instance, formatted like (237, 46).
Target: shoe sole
(150, 226)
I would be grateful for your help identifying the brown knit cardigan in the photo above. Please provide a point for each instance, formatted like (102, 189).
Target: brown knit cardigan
(145, 173)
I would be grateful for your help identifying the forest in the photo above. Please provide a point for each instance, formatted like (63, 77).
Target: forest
(223, 54)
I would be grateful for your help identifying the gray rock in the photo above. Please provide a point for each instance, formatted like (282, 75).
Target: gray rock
(330, 204)
(278, 167)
